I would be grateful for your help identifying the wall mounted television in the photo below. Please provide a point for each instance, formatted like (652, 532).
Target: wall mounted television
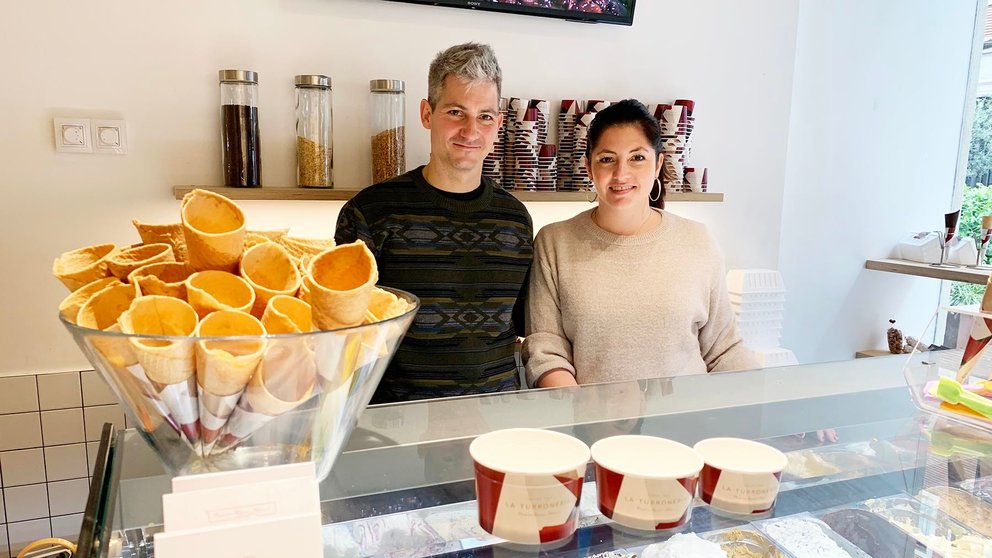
(620, 12)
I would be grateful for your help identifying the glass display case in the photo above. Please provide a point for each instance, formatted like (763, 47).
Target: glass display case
(866, 468)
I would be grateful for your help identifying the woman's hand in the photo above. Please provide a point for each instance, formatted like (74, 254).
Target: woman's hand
(559, 377)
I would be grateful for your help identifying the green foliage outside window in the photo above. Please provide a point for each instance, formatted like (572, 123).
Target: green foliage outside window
(977, 202)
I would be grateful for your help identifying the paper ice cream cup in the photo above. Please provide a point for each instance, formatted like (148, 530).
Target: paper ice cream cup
(740, 477)
(644, 482)
(528, 483)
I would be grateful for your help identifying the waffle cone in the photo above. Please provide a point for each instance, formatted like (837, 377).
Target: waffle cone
(123, 262)
(384, 305)
(340, 281)
(69, 308)
(214, 229)
(165, 361)
(210, 291)
(270, 271)
(163, 279)
(102, 310)
(223, 367)
(286, 314)
(300, 247)
(257, 237)
(80, 267)
(171, 234)
(284, 380)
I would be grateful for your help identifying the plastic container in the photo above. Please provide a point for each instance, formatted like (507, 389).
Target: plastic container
(387, 118)
(755, 281)
(314, 132)
(240, 143)
(303, 395)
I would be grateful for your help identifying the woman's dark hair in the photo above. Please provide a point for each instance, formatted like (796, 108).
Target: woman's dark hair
(628, 112)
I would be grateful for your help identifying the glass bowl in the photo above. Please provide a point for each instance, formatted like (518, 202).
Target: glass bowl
(303, 396)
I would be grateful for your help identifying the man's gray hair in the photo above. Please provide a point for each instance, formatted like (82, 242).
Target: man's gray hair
(473, 62)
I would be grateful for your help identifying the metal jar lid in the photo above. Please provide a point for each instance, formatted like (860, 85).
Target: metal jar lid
(387, 86)
(238, 76)
(312, 80)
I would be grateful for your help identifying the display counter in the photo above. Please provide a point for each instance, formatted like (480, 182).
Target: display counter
(403, 486)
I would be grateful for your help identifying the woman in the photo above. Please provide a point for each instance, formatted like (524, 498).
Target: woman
(625, 291)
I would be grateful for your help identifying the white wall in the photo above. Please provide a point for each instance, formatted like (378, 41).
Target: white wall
(155, 64)
(879, 95)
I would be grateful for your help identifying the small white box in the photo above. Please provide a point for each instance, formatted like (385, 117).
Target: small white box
(923, 247)
(297, 536)
(962, 250)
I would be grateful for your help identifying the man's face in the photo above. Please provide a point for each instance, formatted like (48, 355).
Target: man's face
(463, 125)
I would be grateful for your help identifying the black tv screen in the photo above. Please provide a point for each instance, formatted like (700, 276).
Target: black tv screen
(593, 11)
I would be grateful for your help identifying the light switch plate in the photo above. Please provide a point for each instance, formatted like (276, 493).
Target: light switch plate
(72, 135)
(110, 136)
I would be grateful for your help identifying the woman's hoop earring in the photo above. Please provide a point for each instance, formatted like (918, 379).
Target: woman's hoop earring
(657, 182)
(595, 195)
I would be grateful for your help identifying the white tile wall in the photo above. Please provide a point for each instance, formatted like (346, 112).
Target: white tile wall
(67, 497)
(26, 532)
(59, 391)
(62, 427)
(23, 467)
(26, 502)
(67, 526)
(66, 462)
(96, 391)
(95, 417)
(49, 427)
(18, 394)
(20, 431)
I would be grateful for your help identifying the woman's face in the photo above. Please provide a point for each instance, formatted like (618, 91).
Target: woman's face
(623, 167)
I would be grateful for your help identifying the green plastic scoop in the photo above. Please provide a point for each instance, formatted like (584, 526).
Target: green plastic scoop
(950, 391)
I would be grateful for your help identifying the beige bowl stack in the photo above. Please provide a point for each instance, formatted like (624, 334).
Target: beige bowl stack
(189, 287)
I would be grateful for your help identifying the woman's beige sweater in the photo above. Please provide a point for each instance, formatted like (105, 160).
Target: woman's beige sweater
(608, 307)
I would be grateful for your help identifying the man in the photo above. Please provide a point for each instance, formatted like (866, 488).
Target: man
(453, 238)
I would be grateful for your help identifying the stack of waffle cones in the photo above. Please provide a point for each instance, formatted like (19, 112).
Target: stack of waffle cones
(217, 317)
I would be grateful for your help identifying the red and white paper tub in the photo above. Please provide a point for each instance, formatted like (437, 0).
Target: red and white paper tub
(739, 477)
(528, 483)
(644, 482)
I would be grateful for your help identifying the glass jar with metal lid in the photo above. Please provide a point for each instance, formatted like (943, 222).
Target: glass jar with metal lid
(314, 156)
(240, 146)
(387, 104)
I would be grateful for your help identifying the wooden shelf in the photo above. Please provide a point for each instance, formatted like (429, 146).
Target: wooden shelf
(960, 274)
(322, 194)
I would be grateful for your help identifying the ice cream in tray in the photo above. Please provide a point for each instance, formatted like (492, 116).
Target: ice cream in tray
(931, 527)
(229, 347)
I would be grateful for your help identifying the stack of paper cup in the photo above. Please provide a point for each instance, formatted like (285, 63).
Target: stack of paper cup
(567, 151)
(492, 166)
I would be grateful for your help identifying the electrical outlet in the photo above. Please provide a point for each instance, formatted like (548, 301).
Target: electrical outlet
(72, 135)
(110, 136)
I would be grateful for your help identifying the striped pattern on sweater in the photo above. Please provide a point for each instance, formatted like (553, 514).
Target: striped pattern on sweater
(468, 262)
